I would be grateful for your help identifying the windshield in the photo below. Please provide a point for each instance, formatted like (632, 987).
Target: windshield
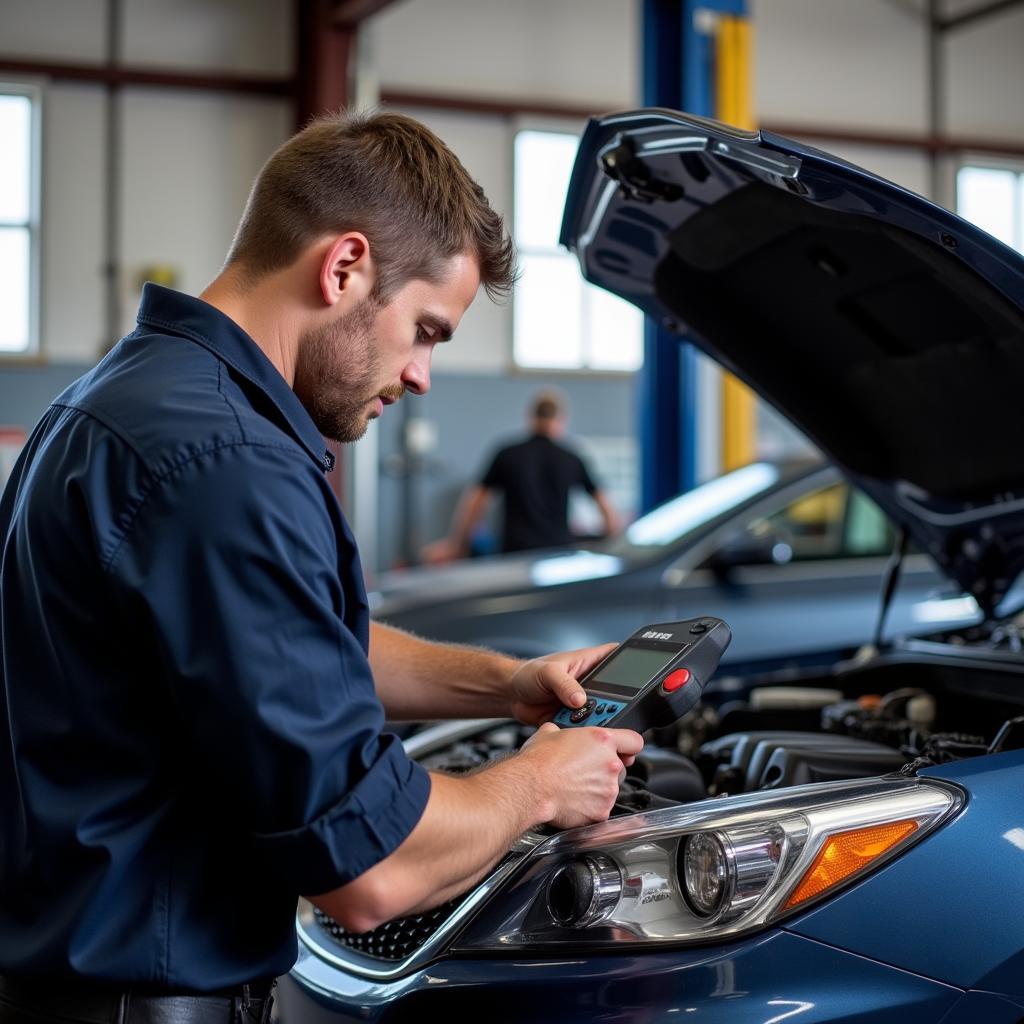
(665, 525)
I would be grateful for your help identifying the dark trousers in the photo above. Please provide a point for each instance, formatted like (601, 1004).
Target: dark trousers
(58, 1001)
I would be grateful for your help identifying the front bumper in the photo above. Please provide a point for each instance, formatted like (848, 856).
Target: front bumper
(767, 979)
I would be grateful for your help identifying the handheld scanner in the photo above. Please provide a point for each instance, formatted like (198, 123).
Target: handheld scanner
(653, 678)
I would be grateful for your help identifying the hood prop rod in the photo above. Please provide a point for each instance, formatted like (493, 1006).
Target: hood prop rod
(890, 580)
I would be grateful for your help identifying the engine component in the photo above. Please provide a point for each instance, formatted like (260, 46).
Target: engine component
(669, 775)
(746, 762)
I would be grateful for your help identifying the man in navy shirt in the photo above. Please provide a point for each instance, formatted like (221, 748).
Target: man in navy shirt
(193, 696)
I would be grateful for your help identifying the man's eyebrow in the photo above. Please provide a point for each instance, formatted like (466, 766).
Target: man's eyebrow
(439, 324)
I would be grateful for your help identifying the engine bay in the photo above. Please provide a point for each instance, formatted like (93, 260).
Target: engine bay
(917, 703)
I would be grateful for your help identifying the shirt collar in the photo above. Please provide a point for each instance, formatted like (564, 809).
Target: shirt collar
(208, 326)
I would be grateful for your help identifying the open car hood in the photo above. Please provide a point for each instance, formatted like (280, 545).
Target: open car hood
(885, 327)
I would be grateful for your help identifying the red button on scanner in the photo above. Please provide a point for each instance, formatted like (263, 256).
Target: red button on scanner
(674, 680)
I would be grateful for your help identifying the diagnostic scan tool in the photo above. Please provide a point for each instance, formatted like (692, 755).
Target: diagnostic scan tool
(653, 678)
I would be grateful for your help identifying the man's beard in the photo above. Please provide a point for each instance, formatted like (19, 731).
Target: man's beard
(337, 374)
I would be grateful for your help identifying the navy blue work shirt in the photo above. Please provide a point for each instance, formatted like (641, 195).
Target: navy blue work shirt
(189, 733)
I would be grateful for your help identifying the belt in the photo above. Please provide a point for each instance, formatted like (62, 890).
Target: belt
(35, 1000)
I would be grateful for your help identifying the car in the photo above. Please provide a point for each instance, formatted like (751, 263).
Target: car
(755, 868)
(762, 546)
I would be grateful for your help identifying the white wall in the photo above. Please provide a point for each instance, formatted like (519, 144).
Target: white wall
(985, 76)
(225, 35)
(237, 36)
(189, 161)
(838, 63)
(59, 30)
(559, 51)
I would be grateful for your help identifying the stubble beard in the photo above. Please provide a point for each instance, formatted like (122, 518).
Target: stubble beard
(337, 375)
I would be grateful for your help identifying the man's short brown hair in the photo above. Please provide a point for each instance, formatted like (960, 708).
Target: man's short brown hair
(387, 176)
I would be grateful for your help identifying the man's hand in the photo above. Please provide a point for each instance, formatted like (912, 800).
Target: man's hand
(541, 686)
(585, 768)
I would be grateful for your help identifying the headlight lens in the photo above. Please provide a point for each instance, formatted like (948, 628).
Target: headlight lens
(707, 871)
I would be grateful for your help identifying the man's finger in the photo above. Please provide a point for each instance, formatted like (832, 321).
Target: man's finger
(564, 687)
(627, 742)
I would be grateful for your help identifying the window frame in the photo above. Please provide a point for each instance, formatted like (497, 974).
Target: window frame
(994, 162)
(556, 126)
(33, 91)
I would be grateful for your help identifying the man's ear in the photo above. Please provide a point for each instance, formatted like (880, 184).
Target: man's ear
(346, 270)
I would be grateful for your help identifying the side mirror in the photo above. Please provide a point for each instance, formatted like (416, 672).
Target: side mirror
(747, 548)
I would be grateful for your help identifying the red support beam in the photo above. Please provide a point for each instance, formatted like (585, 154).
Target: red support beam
(324, 55)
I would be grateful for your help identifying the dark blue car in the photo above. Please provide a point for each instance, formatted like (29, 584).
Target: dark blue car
(761, 547)
(839, 844)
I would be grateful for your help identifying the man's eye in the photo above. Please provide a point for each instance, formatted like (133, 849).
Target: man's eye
(423, 334)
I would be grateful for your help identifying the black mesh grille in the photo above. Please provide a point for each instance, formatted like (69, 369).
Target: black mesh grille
(394, 940)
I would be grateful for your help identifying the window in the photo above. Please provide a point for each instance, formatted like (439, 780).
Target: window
(993, 198)
(836, 522)
(19, 219)
(560, 321)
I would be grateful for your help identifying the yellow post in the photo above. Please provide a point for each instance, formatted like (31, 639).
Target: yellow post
(733, 62)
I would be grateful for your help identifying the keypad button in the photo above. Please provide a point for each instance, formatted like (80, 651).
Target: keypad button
(584, 712)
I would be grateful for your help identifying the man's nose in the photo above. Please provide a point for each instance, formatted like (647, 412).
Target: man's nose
(416, 375)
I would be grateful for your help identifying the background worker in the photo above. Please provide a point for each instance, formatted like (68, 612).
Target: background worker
(535, 477)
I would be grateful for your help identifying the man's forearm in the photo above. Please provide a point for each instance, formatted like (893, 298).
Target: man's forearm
(469, 824)
(418, 680)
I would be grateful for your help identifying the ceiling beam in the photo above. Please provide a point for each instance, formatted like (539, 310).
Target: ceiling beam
(105, 74)
(977, 14)
(349, 13)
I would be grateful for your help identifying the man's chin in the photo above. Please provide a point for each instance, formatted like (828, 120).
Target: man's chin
(346, 433)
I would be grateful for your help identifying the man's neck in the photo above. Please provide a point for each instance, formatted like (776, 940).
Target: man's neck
(264, 313)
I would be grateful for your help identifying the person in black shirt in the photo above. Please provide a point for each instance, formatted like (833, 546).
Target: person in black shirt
(535, 477)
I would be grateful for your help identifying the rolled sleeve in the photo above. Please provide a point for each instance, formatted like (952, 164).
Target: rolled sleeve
(241, 568)
(361, 829)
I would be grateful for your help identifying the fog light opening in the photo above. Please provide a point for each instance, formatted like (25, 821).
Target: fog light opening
(583, 891)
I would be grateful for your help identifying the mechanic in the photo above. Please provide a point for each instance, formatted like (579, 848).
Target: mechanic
(193, 696)
(535, 476)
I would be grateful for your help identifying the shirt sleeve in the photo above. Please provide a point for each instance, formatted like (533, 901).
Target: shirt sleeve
(494, 478)
(233, 566)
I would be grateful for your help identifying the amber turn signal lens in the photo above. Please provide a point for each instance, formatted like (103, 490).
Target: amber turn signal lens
(848, 852)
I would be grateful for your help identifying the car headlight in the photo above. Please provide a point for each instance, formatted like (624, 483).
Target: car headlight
(708, 871)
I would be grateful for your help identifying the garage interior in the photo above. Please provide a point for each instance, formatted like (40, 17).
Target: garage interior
(135, 129)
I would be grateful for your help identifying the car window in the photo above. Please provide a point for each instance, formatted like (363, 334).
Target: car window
(866, 529)
(834, 522)
(666, 526)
